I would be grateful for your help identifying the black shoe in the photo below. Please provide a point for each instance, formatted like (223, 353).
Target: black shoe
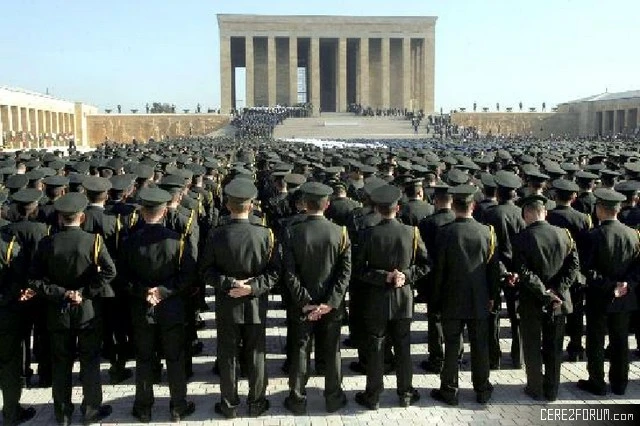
(575, 356)
(357, 367)
(321, 370)
(439, 396)
(532, 394)
(119, 375)
(335, 406)
(410, 398)
(200, 325)
(483, 397)
(229, 413)
(366, 401)
(44, 383)
(103, 412)
(494, 366)
(550, 397)
(177, 415)
(389, 368)
(285, 367)
(24, 415)
(197, 348)
(64, 420)
(348, 342)
(618, 391)
(431, 366)
(256, 409)
(142, 415)
(516, 365)
(297, 408)
(215, 369)
(589, 386)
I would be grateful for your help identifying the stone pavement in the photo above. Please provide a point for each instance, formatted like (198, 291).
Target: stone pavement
(509, 405)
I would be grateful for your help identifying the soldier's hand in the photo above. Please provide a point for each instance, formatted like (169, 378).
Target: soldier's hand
(621, 289)
(74, 297)
(308, 308)
(511, 279)
(400, 279)
(240, 289)
(27, 294)
(324, 309)
(153, 296)
(391, 276)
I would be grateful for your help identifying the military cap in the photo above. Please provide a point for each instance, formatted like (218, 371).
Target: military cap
(336, 184)
(295, 179)
(368, 169)
(315, 189)
(113, 164)
(441, 188)
(34, 175)
(533, 199)
(488, 180)
(197, 169)
(536, 176)
(27, 196)
(172, 183)
(16, 181)
(456, 177)
(628, 187)
(121, 182)
(386, 195)
(609, 173)
(241, 189)
(609, 197)
(413, 182)
(153, 197)
(586, 175)
(56, 181)
(334, 170)
(76, 178)
(565, 185)
(96, 184)
(373, 183)
(508, 180)
(32, 164)
(56, 165)
(47, 171)
(143, 171)
(73, 202)
(463, 192)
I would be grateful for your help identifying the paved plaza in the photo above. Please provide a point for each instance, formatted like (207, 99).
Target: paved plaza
(509, 405)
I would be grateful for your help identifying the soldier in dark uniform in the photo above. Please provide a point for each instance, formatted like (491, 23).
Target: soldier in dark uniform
(29, 232)
(415, 209)
(489, 199)
(70, 269)
(158, 265)
(12, 265)
(391, 258)
(55, 187)
(429, 228)
(586, 201)
(317, 261)
(239, 262)
(506, 219)
(578, 225)
(466, 275)
(545, 258)
(341, 205)
(611, 266)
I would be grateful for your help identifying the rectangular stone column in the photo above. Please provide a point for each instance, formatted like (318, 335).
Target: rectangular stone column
(50, 122)
(406, 72)
(42, 125)
(57, 122)
(17, 119)
(363, 89)
(250, 77)
(293, 70)
(341, 86)
(271, 70)
(385, 76)
(428, 53)
(314, 63)
(33, 120)
(225, 74)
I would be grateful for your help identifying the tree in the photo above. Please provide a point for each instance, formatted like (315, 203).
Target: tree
(160, 108)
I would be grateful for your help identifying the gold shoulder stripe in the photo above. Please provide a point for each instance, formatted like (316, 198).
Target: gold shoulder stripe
(48, 230)
(10, 250)
(272, 243)
(189, 223)
(97, 243)
(572, 244)
(343, 239)
(589, 221)
(118, 229)
(181, 251)
(134, 219)
(416, 235)
(492, 243)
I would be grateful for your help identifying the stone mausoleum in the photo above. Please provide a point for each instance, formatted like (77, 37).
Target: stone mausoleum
(328, 61)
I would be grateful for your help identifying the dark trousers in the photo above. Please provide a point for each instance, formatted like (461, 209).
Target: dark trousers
(435, 339)
(618, 325)
(253, 341)
(115, 321)
(541, 330)
(511, 297)
(191, 333)
(575, 320)
(399, 332)
(493, 334)
(171, 338)
(64, 344)
(452, 330)
(328, 328)
(10, 384)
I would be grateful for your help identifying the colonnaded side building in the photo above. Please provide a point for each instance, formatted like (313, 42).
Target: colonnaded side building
(328, 61)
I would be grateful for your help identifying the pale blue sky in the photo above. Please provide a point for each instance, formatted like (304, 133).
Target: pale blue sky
(129, 52)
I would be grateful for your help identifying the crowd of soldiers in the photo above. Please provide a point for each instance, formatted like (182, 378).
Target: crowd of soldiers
(111, 252)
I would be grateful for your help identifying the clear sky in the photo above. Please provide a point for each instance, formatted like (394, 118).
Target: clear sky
(129, 52)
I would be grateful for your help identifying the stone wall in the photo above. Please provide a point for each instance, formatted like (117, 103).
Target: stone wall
(125, 127)
(522, 123)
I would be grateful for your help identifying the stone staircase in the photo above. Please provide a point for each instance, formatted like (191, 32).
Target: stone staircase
(347, 126)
